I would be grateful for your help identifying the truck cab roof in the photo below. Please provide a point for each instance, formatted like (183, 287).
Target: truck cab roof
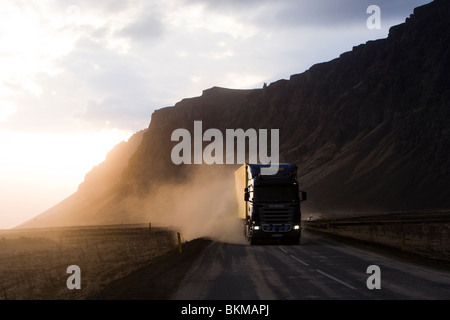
(284, 169)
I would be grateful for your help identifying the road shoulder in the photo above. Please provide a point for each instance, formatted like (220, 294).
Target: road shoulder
(156, 281)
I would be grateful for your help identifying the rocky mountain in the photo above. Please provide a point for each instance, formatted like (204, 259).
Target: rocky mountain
(369, 130)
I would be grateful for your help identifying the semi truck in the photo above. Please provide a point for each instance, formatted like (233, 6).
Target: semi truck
(269, 205)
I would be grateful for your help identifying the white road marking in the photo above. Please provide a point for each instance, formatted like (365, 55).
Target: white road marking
(335, 279)
(297, 259)
(319, 271)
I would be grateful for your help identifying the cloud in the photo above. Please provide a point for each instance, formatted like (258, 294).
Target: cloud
(116, 112)
(311, 14)
(117, 88)
(147, 27)
(67, 65)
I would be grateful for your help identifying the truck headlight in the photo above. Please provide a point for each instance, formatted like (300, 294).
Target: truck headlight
(255, 227)
(296, 227)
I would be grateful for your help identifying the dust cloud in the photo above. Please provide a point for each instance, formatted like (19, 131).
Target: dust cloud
(201, 206)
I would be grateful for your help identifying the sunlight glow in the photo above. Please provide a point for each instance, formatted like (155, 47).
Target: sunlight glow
(37, 154)
(46, 166)
(6, 109)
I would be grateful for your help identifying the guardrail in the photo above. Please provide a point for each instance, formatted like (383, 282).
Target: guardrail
(424, 233)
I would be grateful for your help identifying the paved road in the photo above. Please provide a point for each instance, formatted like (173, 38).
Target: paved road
(320, 268)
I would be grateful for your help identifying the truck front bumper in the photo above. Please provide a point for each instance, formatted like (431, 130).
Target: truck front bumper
(260, 234)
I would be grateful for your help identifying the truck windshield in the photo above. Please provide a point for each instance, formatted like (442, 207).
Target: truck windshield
(276, 194)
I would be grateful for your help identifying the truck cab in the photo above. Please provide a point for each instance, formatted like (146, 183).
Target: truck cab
(272, 204)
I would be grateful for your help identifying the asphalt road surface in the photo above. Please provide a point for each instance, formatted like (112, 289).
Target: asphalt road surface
(322, 267)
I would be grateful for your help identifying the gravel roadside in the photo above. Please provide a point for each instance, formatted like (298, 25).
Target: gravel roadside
(156, 281)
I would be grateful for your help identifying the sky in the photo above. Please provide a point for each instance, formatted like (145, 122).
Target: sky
(78, 77)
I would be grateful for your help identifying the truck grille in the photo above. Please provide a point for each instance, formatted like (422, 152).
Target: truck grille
(276, 218)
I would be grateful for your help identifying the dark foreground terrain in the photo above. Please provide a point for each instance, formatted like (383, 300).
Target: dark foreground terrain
(34, 262)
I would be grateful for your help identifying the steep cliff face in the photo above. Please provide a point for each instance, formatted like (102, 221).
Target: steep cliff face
(370, 130)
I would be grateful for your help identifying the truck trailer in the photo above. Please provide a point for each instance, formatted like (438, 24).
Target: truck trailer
(269, 205)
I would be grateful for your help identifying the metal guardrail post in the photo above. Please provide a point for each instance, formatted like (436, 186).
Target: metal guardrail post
(179, 243)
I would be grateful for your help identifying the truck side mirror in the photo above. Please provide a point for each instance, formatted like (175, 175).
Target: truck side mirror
(304, 195)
